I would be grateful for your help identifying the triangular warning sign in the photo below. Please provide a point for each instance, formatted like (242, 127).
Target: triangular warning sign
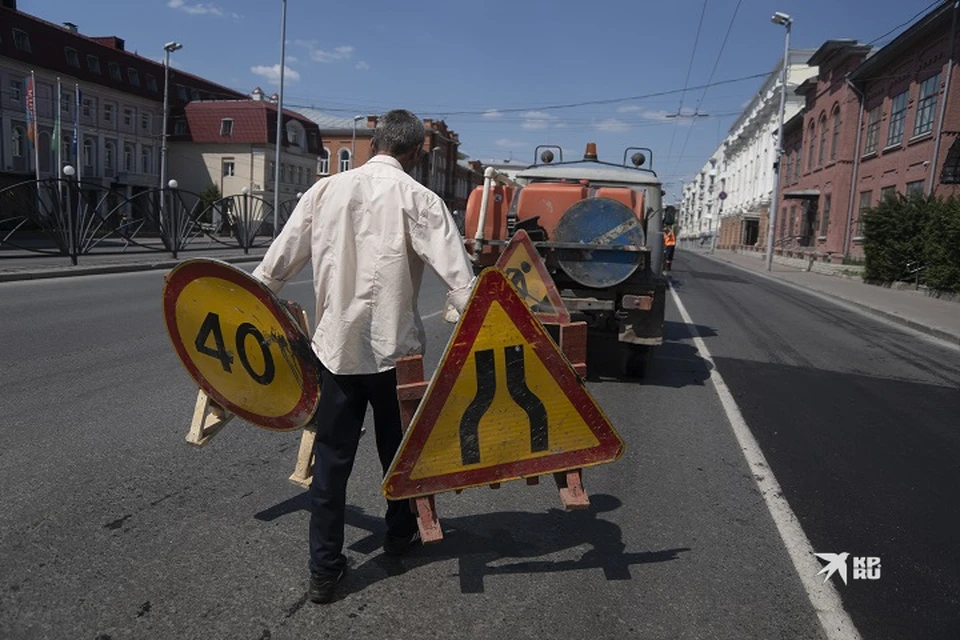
(504, 404)
(524, 267)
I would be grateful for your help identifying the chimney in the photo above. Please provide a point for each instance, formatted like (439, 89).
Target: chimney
(69, 26)
(257, 94)
(274, 98)
(113, 42)
(372, 122)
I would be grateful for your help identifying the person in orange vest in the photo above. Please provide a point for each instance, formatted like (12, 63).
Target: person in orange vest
(669, 246)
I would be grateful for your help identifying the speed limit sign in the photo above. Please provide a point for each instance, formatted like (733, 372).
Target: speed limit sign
(240, 344)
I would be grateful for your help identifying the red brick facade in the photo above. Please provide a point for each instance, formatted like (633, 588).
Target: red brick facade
(889, 104)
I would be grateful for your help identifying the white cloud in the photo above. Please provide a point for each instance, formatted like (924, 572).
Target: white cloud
(507, 143)
(361, 66)
(629, 108)
(272, 73)
(491, 114)
(198, 8)
(537, 120)
(343, 52)
(611, 125)
(292, 59)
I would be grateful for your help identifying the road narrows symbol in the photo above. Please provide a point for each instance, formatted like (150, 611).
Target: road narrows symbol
(523, 396)
(470, 422)
(487, 389)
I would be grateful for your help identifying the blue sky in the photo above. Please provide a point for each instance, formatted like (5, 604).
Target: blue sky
(471, 62)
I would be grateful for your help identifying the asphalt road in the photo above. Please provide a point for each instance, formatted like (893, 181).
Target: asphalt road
(111, 526)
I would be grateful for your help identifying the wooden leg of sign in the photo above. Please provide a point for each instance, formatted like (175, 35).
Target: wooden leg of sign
(303, 473)
(572, 494)
(410, 390)
(208, 419)
(573, 344)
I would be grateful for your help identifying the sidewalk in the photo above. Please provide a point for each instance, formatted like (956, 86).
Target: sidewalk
(23, 266)
(914, 309)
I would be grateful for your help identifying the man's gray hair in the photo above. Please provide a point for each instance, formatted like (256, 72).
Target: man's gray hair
(398, 132)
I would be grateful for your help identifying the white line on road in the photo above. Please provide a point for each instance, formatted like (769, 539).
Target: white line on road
(432, 315)
(835, 621)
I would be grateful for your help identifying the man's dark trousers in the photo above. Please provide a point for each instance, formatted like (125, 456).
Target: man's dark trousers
(340, 414)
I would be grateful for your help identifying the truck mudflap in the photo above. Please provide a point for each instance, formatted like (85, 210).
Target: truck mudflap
(641, 319)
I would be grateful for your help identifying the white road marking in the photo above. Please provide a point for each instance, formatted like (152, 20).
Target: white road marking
(835, 621)
(432, 315)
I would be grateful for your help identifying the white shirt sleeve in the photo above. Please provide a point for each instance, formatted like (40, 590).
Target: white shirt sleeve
(435, 238)
(291, 249)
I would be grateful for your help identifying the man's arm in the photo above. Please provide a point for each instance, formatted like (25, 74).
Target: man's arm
(291, 248)
(435, 239)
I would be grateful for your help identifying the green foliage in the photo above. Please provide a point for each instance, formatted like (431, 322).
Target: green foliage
(906, 233)
(207, 197)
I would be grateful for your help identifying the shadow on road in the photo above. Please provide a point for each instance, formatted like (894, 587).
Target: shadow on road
(511, 542)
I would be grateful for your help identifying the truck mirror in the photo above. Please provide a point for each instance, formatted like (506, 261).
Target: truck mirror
(669, 215)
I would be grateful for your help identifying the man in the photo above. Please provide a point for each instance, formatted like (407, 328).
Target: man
(368, 232)
(669, 246)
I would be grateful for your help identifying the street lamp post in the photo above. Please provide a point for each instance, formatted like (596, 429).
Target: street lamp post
(276, 161)
(786, 21)
(353, 142)
(168, 48)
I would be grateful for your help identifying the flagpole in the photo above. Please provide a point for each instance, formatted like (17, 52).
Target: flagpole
(36, 129)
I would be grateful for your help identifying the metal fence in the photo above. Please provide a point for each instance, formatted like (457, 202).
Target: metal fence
(71, 218)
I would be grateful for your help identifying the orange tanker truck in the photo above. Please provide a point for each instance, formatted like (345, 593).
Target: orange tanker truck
(598, 226)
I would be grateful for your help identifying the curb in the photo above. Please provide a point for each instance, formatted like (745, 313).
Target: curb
(68, 272)
(940, 334)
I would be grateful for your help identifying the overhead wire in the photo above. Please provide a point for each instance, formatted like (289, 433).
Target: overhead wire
(686, 81)
(911, 19)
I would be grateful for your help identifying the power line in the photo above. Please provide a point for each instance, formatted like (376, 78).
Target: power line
(912, 18)
(686, 81)
(716, 63)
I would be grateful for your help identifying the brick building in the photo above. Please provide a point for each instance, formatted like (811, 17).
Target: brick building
(873, 126)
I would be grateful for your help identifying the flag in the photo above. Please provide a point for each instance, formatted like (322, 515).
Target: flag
(31, 110)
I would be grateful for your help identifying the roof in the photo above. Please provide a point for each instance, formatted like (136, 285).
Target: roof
(918, 33)
(329, 122)
(831, 47)
(48, 52)
(254, 122)
(590, 170)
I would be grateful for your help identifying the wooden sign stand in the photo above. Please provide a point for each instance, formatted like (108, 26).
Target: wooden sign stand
(411, 387)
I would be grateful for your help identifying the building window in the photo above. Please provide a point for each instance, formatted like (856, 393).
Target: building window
(825, 216)
(151, 83)
(67, 145)
(788, 167)
(127, 117)
(229, 168)
(108, 113)
(73, 60)
(16, 89)
(21, 41)
(114, 70)
(226, 127)
(182, 93)
(873, 129)
(793, 218)
(128, 158)
(146, 160)
(344, 160)
(180, 128)
(823, 140)
(145, 121)
(93, 64)
(796, 167)
(915, 188)
(87, 107)
(194, 94)
(898, 113)
(88, 153)
(16, 140)
(887, 194)
(323, 166)
(65, 100)
(293, 136)
(926, 105)
(108, 151)
(812, 136)
(133, 76)
(836, 133)
(951, 166)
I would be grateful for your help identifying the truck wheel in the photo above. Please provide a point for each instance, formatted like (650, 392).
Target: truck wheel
(634, 359)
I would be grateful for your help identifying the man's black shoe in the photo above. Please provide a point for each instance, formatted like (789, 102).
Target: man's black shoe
(322, 586)
(399, 545)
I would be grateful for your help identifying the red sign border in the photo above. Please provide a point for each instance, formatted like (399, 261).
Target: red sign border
(493, 286)
(190, 270)
(522, 238)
